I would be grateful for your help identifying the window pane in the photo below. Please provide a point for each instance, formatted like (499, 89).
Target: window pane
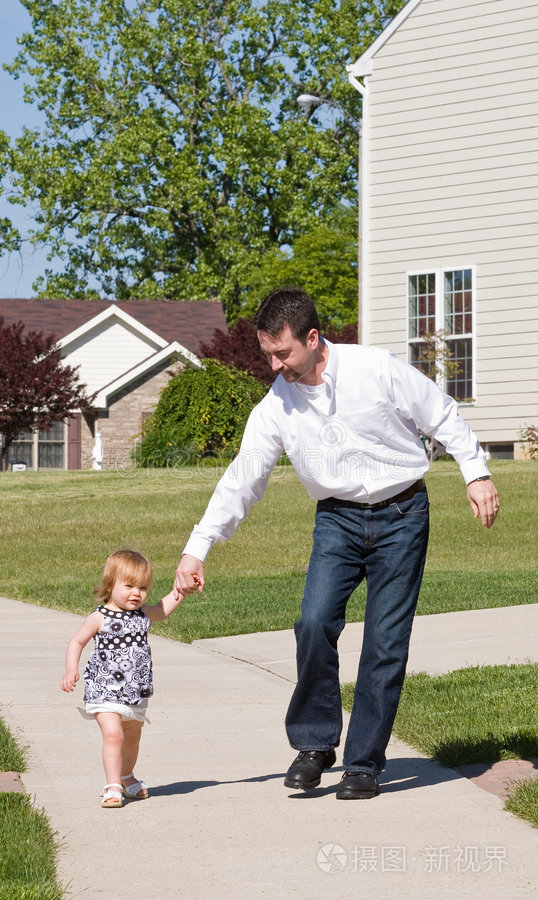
(458, 299)
(421, 304)
(459, 383)
(50, 455)
(419, 358)
(20, 452)
(54, 433)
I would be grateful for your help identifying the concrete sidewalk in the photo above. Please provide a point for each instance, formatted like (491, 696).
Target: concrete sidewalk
(219, 822)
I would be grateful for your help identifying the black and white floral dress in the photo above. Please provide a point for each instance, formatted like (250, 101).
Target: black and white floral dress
(119, 669)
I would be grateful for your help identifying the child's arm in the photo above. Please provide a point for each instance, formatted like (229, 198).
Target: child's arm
(87, 630)
(164, 608)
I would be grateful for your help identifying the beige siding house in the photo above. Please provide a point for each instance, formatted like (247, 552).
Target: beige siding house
(449, 205)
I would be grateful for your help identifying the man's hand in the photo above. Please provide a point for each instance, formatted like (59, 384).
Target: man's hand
(484, 500)
(189, 576)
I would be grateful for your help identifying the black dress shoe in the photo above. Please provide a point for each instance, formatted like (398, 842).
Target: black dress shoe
(357, 786)
(305, 771)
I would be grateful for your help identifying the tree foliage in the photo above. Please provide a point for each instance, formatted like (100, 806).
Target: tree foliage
(36, 388)
(323, 262)
(174, 155)
(435, 358)
(239, 347)
(529, 436)
(9, 236)
(200, 411)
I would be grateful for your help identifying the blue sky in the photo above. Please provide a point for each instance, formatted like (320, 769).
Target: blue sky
(19, 270)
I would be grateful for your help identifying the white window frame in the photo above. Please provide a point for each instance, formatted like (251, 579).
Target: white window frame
(35, 449)
(439, 275)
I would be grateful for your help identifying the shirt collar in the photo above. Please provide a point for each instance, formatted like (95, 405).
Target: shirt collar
(329, 372)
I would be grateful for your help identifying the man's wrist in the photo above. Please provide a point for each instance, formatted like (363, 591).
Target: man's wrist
(480, 478)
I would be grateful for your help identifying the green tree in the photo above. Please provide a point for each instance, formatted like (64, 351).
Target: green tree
(174, 155)
(36, 388)
(9, 236)
(200, 411)
(323, 262)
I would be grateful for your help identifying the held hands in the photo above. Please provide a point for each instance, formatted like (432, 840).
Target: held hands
(189, 575)
(484, 500)
(69, 681)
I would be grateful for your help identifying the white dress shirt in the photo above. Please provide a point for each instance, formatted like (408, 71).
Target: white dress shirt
(353, 437)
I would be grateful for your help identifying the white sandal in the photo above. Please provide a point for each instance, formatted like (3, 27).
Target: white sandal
(138, 790)
(111, 798)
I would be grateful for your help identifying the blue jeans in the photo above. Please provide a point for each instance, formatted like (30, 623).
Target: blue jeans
(386, 546)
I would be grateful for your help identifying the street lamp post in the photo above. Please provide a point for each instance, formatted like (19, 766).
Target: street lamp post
(309, 101)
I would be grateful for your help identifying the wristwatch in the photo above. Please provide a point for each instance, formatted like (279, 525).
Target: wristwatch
(481, 478)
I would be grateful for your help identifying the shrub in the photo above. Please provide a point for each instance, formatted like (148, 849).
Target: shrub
(201, 412)
(529, 436)
(159, 449)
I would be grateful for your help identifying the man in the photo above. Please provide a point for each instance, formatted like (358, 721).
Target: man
(348, 418)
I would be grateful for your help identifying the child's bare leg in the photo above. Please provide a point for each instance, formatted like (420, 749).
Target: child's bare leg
(132, 731)
(113, 740)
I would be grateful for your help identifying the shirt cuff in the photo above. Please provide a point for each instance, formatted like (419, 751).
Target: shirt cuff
(472, 469)
(198, 546)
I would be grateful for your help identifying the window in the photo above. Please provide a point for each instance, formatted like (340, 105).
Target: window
(40, 449)
(500, 451)
(20, 450)
(440, 314)
(421, 318)
(458, 312)
(50, 447)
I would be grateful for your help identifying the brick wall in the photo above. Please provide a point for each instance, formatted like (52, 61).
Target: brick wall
(120, 425)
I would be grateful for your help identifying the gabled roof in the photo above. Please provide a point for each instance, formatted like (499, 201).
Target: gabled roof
(363, 65)
(165, 355)
(112, 312)
(188, 322)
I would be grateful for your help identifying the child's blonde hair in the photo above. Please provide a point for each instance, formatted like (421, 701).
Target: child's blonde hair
(121, 564)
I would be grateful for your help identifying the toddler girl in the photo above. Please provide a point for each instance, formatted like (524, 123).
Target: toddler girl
(118, 676)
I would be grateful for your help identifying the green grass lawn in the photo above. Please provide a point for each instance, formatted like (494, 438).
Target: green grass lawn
(523, 800)
(27, 845)
(477, 714)
(57, 528)
(12, 757)
(27, 858)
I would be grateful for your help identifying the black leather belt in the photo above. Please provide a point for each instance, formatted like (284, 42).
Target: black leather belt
(335, 503)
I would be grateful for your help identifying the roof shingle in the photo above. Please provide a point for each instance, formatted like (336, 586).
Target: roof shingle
(188, 322)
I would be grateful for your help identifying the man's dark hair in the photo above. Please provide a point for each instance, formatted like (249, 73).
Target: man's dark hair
(288, 306)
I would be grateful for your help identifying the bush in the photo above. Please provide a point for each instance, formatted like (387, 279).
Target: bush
(201, 412)
(529, 436)
(159, 449)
